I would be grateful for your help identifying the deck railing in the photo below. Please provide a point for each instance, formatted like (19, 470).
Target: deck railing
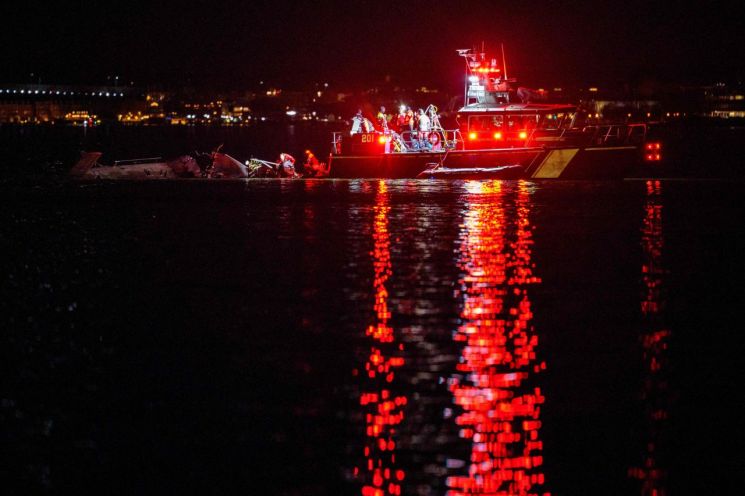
(412, 141)
(437, 140)
(618, 134)
(594, 135)
(452, 139)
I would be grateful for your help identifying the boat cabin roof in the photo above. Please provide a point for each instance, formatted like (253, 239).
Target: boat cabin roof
(518, 108)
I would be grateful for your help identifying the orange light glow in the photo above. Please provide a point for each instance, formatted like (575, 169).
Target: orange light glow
(498, 135)
(494, 383)
(472, 136)
(523, 135)
(382, 140)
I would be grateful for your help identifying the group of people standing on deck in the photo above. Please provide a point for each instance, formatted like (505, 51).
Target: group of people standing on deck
(419, 125)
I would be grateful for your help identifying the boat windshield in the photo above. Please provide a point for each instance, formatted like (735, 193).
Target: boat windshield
(502, 122)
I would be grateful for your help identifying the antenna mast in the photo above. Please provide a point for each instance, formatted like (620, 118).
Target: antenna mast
(504, 61)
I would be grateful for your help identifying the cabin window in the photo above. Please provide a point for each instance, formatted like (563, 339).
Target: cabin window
(554, 121)
(485, 122)
(509, 123)
(522, 121)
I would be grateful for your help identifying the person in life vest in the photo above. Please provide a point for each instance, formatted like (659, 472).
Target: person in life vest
(382, 119)
(399, 145)
(286, 167)
(312, 167)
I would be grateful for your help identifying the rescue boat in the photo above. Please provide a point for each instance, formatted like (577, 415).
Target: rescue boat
(499, 133)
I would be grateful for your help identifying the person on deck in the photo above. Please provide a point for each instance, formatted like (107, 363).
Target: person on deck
(361, 124)
(312, 167)
(357, 121)
(434, 119)
(410, 120)
(401, 120)
(382, 119)
(413, 123)
(424, 129)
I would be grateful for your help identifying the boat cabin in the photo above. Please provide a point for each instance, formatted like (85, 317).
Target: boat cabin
(509, 125)
(496, 116)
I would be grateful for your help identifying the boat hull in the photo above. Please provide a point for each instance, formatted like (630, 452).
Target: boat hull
(507, 163)
(409, 165)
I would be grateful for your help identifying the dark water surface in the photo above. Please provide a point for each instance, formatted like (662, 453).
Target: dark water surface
(372, 337)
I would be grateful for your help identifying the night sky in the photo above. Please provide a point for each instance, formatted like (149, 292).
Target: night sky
(235, 44)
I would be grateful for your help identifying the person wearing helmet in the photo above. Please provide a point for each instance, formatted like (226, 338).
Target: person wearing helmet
(312, 167)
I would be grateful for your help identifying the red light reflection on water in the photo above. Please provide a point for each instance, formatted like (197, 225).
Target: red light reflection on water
(382, 407)
(494, 385)
(655, 339)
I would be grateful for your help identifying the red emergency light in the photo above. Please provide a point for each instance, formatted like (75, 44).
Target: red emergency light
(653, 151)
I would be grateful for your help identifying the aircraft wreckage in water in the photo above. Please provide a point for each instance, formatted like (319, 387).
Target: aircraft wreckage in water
(215, 165)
